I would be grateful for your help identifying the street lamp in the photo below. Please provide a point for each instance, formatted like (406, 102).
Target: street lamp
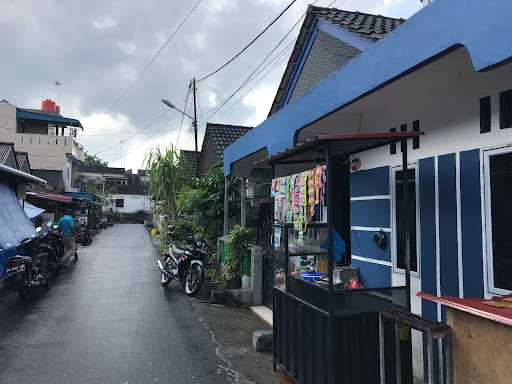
(194, 121)
(171, 105)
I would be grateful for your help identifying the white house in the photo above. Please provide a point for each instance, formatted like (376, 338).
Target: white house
(446, 71)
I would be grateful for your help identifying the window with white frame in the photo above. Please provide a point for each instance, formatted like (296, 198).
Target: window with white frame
(399, 219)
(498, 187)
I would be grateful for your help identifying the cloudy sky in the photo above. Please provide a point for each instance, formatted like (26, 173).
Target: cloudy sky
(96, 49)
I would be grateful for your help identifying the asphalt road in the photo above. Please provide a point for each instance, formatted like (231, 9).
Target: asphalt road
(107, 320)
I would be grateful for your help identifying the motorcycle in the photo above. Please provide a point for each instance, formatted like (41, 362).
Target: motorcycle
(15, 276)
(54, 239)
(39, 252)
(184, 264)
(82, 235)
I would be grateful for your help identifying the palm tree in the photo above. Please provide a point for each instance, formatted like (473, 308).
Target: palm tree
(165, 176)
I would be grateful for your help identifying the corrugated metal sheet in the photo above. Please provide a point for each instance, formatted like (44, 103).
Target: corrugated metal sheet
(7, 155)
(327, 54)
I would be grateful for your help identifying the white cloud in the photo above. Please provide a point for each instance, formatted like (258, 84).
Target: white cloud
(104, 22)
(259, 101)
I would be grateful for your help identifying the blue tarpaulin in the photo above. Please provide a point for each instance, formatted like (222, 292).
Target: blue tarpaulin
(14, 223)
(32, 211)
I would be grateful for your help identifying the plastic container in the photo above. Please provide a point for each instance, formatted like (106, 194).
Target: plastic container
(310, 276)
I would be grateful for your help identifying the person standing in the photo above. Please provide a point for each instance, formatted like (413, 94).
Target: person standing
(66, 227)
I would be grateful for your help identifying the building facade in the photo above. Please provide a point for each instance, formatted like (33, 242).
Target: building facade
(47, 137)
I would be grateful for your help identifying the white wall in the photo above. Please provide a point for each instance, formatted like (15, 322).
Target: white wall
(132, 203)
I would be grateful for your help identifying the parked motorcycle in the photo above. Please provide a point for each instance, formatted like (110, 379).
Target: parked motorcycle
(185, 264)
(54, 239)
(40, 253)
(82, 235)
(16, 276)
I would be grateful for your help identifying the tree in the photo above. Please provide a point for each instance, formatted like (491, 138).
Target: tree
(165, 176)
(95, 161)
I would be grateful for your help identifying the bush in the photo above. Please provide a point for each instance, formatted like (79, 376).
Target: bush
(238, 241)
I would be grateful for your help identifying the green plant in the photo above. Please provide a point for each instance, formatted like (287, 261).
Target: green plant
(203, 206)
(165, 176)
(238, 241)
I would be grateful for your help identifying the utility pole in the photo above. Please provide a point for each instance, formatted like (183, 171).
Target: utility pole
(194, 123)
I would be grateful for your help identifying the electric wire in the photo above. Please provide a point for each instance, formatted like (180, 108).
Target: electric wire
(153, 59)
(248, 44)
(255, 72)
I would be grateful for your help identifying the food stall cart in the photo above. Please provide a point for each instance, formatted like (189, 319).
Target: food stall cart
(325, 332)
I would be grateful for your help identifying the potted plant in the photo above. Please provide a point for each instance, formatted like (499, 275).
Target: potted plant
(238, 241)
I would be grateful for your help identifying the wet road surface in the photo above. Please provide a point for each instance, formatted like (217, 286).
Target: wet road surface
(107, 320)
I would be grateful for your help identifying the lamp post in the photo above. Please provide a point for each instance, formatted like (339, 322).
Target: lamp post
(194, 121)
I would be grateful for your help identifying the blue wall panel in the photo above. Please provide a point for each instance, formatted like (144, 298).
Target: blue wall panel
(370, 182)
(363, 245)
(448, 225)
(427, 200)
(370, 213)
(471, 222)
(373, 275)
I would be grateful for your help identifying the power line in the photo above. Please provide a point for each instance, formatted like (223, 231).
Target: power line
(217, 108)
(247, 45)
(155, 56)
(182, 116)
(137, 133)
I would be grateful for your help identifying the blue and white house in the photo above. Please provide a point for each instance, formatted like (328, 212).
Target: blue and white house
(446, 71)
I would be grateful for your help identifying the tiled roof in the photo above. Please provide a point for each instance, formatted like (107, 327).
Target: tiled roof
(8, 155)
(372, 27)
(189, 161)
(222, 135)
(100, 170)
(133, 186)
(23, 162)
(364, 24)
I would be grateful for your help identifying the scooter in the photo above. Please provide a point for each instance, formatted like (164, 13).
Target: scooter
(54, 239)
(185, 264)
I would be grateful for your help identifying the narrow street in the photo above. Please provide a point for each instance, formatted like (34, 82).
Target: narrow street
(107, 320)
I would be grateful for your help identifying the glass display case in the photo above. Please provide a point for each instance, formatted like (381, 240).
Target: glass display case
(305, 253)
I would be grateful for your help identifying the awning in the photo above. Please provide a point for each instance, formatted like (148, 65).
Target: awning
(339, 145)
(31, 210)
(482, 27)
(50, 118)
(83, 196)
(51, 197)
(25, 177)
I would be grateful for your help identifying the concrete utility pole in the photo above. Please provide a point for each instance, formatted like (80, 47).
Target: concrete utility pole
(194, 123)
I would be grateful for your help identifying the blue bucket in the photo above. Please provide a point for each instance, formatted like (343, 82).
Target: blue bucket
(310, 276)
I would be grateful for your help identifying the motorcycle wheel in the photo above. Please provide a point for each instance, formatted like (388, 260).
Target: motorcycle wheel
(165, 279)
(194, 279)
(25, 289)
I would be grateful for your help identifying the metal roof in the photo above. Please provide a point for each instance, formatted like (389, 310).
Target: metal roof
(48, 117)
(52, 197)
(8, 155)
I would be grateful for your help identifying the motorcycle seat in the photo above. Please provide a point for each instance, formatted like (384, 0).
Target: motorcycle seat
(178, 251)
